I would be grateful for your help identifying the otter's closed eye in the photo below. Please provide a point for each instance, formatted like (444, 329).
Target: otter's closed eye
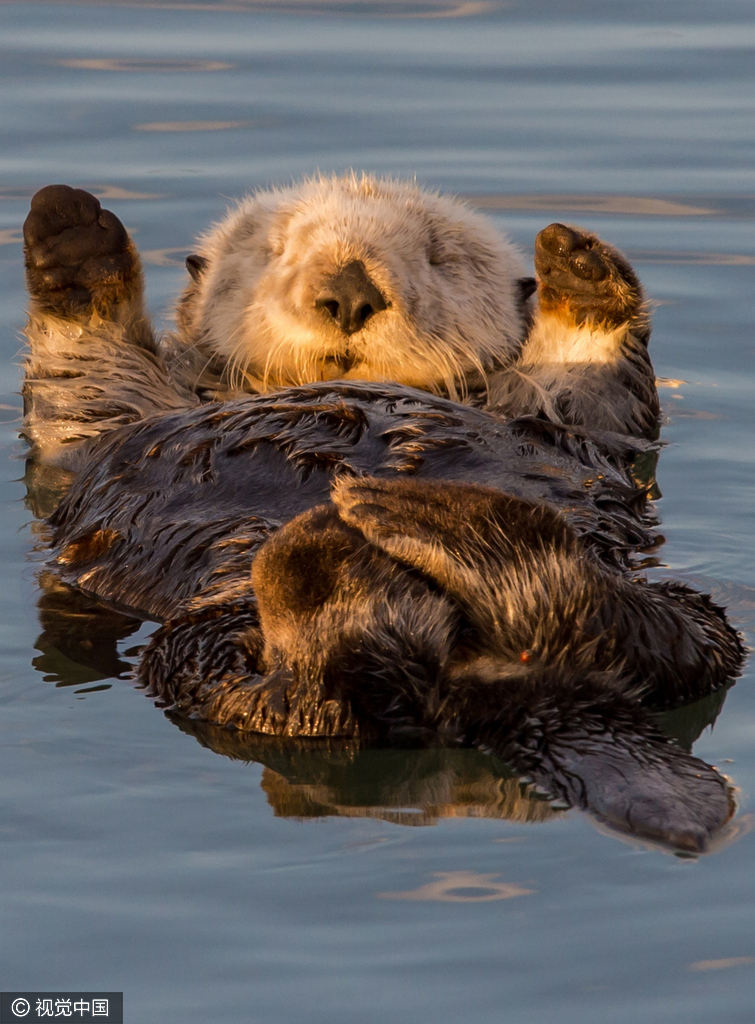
(526, 288)
(437, 254)
(443, 258)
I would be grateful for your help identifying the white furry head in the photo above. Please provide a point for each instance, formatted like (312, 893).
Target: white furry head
(449, 306)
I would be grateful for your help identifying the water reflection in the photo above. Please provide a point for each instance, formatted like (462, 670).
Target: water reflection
(79, 642)
(101, 191)
(724, 964)
(641, 206)
(79, 639)
(461, 887)
(328, 778)
(142, 65)
(198, 126)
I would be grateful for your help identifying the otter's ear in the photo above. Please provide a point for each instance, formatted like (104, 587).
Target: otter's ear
(526, 288)
(196, 265)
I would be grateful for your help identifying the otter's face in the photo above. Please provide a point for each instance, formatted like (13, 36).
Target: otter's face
(359, 279)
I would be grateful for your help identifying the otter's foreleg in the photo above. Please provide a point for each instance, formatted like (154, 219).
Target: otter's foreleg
(336, 640)
(93, 363)
(585, 361)
(514, 567)
(205, 663)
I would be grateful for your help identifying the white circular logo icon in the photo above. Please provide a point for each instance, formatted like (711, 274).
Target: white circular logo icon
(20, 1007)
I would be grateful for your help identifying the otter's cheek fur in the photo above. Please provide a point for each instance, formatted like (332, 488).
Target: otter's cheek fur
(289, 340)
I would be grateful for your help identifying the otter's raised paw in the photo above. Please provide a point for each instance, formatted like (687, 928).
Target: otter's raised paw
(79, 257)
(582, 278)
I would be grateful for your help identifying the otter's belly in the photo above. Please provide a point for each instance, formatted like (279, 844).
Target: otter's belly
(180, 503)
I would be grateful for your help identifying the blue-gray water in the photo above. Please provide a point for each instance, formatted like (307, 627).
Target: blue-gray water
(134, 858)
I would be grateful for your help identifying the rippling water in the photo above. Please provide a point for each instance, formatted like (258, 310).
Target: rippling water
(213, 881)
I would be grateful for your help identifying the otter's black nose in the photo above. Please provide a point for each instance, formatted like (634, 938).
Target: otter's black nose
(350, 298)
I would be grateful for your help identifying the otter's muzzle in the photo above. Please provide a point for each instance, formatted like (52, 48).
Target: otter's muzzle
(350, 298)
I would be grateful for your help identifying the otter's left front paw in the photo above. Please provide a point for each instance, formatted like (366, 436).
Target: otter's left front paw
(582, 277)
(79, 257)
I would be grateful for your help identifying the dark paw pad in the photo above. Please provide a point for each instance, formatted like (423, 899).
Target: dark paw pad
(77, 254)
(576, 270)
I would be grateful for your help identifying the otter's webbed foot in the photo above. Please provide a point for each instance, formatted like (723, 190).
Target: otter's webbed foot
(644, 787)
(79, 257)
(584, 279)
(672, 798)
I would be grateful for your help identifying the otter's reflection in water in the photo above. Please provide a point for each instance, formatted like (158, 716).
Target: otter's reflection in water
(317, 779)
(79, 639)
(411, 785)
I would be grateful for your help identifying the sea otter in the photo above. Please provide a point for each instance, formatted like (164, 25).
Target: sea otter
(422, 523)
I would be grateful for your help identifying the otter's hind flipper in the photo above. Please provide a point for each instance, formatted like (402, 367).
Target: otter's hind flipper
(645, 787)
(585, 739)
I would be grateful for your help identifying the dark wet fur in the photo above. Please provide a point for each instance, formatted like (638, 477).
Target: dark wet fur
(184, 500)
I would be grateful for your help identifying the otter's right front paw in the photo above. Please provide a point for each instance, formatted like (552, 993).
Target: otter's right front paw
(583, 276)
(471, 521)
(79, 257)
